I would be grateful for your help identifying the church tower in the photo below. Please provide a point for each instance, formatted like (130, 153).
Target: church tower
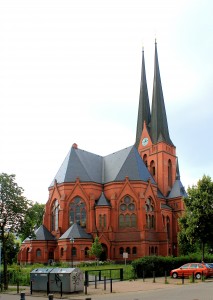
(152, 136)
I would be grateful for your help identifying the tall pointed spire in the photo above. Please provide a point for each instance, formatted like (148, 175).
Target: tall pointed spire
(159, 126)
(143, 108)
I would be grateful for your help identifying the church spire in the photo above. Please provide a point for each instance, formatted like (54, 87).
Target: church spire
(143, 108)
(159, 126)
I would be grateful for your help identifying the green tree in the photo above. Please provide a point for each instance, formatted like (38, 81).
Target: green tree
(198, 216)
(33, 219)
(96, 249)
(13, 207)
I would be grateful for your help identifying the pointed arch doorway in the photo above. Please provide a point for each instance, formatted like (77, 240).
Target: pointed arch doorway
(104, 254)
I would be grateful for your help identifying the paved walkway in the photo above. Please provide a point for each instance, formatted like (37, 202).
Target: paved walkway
(118, 287)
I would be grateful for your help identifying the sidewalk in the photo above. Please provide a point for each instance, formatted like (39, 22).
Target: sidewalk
(118, 287)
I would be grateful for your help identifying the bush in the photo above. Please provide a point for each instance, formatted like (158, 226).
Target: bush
(161, 264)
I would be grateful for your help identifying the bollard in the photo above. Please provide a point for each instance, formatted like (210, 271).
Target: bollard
(143, 276)
(50, 296)
(193, 277)
(31, 287)
(22, 296)
(166, 277)
(17, 287)
(110, 285)
(182, 278)
(153, 276)
(85, 284)
(61, 289)
(105, 283)
(95, 282)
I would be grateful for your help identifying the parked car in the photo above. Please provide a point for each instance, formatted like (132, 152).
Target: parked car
(210, 265)
(198, 269)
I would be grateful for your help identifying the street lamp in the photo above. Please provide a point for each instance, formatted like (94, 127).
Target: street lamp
(72, 242)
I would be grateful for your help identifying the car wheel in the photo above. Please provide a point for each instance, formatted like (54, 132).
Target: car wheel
(198, 276)
(174, 275)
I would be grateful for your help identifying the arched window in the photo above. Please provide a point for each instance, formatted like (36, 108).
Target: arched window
(127, 216)
(145, 160)
(150, 213)
(168, 227)
(152, 168)
(169, 173)
(128, 250)
(55, 215)
(156, 250)
(121, 250)
(38, 252)
(134, 250)
(62, 252)
(74, 251)
(78, 212)
(86, 254)
(102, 221)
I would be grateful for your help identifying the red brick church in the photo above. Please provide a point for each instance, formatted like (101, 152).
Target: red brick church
(130, 199)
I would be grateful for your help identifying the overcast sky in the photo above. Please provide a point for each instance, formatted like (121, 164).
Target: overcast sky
(70, 73)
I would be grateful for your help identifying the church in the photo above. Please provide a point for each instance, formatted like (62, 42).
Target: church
(130, 199)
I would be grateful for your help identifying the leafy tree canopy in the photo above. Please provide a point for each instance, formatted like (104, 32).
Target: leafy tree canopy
(13, 205)
(32, 220)
(96, 248)
(197, 222)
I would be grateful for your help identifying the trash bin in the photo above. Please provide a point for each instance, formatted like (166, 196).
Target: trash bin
(68, 279)
(40, 279)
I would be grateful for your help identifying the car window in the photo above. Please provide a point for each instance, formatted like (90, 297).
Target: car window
(186, 266)
(201, 266)
(193, 266)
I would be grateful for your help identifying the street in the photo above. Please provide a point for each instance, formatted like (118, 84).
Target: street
(201, 291)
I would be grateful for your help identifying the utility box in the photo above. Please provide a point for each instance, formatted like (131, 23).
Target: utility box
(67, 280)
(39, 279)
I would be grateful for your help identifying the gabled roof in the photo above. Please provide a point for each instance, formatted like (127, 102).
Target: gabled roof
(76, 232)
(159, 127)
(102, 201)
(143, 108)
(89, 167)
(80, 164)
(178, 189)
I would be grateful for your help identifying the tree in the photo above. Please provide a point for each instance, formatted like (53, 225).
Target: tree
(33, 219)
(96, 249)
(199, 213)
(13, 207)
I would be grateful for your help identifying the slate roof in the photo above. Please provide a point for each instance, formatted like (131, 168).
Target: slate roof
(89, 167)
(143, 108)
(102, 201)
(41, 234)
(178, 189)
(159, 126)
(76, 232)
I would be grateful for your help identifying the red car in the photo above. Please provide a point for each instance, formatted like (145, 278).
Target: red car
(198, 269)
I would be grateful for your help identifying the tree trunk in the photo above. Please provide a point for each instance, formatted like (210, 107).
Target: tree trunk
(203, 250)
(4, 252)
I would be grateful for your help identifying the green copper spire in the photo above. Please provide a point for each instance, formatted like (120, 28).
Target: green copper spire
(159, 127)
(143, 108)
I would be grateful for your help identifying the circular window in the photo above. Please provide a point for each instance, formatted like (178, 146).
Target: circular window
(131, 206)
(123, 207)
(127, 200)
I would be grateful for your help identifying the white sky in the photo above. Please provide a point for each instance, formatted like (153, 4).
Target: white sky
(70, 72)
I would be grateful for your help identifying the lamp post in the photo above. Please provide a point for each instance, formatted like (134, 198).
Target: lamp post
(72, 242)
